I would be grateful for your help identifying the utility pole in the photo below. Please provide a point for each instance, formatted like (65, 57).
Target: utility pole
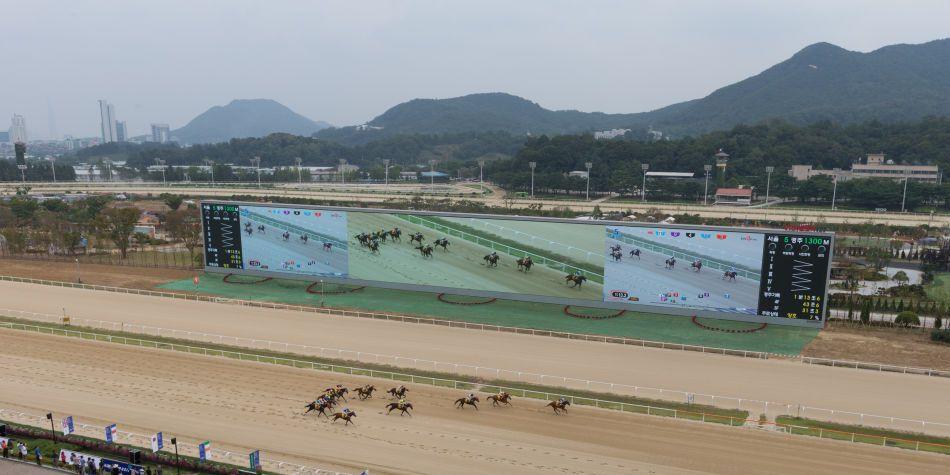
(707, 169)
(834, 191)
(768, 181)
(532, 165)
(343, 171)
(210, 164)
(589, 165)
(108, 168)
(53, 161)
(299, 176)
(386, 173)
(643, 191)
(481, 181)
(256, 161)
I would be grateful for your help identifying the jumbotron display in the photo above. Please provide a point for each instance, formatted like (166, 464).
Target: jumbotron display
(758, 275)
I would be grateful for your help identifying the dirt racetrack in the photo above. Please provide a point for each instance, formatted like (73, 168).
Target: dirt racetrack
(242, 406)
(771, 380)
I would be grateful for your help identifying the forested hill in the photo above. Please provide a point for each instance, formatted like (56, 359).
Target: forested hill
(820, 82)
(244, 118)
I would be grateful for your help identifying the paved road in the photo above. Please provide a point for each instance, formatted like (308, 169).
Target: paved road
(773, 380)
(774, 214)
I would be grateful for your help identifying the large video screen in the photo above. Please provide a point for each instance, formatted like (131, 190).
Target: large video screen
(762, 275)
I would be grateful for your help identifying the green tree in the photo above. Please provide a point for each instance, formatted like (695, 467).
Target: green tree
(866, 312)
(173, 201)
(118, 224)
(185, 226)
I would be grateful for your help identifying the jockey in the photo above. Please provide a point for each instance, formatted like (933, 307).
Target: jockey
(346, 411)
(471, 396)
(562, 401)
(402, 402)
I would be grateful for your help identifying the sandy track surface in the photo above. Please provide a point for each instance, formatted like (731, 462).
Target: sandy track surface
(768, 380)
(241, 405)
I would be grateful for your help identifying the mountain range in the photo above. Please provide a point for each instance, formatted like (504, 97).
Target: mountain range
(822, 82)
(243, 118)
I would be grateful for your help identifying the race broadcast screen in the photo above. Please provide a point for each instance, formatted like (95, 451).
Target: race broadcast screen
(761, 275)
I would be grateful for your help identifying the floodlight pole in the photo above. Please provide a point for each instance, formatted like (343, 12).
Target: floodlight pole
(834, 191)
(210, 164)
(643, 190)
(904, 199)
(299, 176)
(52, 428)
(386, 173)
(707, 168)
(161, 163)
(768, 181)
(481, 180)
(589, 165)
(177, 464)
(343, 171)
(432, 176)
(532, 165)
(53, 160)
(257, 163)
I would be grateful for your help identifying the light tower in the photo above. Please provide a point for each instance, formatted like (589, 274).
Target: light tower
(210, 164)
(643, 190)
(386, 173)
(588, 165)
(707, 168)
(722, 159)
(532, 165)
(299, 161)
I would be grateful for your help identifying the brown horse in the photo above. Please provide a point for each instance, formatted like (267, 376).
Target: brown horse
(499, 399)
(472, 401)
(348, 417)
(365, 392)
(320, 407)
(525, 263)
(558, 406)
(575, 280)
(398, 393)
(405, 408)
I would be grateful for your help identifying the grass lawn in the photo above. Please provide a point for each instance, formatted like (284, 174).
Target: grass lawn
(939, 290)
(867, 435)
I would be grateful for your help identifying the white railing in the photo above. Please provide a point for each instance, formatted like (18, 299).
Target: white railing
(187, 449)
(726, 402)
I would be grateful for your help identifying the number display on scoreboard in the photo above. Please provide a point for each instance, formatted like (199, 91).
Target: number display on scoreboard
(222, 236)
(796, 270)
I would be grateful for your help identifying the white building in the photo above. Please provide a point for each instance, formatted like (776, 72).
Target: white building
(160, 133)
(107, 121)
(610, 134)
(18, 129)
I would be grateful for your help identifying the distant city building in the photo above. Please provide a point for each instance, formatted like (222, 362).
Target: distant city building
(875, 166)
(160, 133)
(4, 136)
(17, 131)
(610, 134)
(107, 121)
(121, 132)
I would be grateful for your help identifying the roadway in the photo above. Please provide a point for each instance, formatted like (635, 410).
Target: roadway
(498, 200)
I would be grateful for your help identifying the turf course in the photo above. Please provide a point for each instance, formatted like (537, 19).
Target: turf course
(649, 326)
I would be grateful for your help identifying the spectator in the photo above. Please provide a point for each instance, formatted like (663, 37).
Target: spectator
(90, 466)
(22, 447)
(158, 470)
(6, 448)
(39, 455)
(115, 469)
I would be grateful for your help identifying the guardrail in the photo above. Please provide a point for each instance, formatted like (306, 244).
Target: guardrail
(512, 251)
(754, 405)
(703, 417)
(139, 440)
(874, 366)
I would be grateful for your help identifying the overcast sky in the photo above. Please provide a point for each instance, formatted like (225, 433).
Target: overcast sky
(346, 62)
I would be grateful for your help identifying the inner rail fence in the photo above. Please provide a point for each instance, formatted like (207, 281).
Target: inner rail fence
(695, 416)
(728, 402)
(488, 327)
(187, 449)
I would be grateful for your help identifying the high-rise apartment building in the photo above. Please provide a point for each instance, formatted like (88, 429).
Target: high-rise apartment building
(121, 132)
(107, 121)
(160, 133)
(18, 129)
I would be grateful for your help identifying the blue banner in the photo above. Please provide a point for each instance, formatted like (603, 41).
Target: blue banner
(111, 432)
(255, 459)
(68, 426)
(124, 468)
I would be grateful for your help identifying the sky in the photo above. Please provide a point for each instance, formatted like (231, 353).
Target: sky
(346, 62)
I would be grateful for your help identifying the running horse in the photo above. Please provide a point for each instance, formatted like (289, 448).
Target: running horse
(575, 280)
(499, 399)
(304, 238)
(443, 243)
(395, 234)
(471, 401)
(670, 263)
(286, 235)
(404, 408)
(491, 260)
(365, 392)
(697, 265)
(327, 246)
(559, 406)
(320, 406)
(635, 253)
(399, 392)
(617, 255)
(425, 250)
(729, 275)
(348, 417)
(417, 237)
(525, 263)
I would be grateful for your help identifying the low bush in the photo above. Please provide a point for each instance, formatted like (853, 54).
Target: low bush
(907, 319)
(940, 336)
